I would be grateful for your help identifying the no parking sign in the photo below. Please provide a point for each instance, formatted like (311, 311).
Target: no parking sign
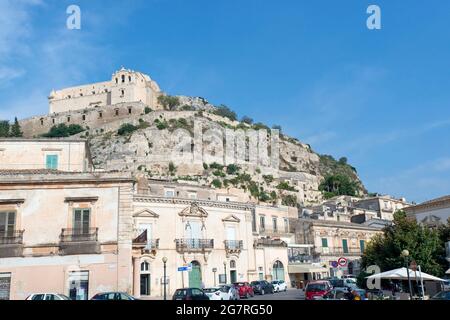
(342, 262)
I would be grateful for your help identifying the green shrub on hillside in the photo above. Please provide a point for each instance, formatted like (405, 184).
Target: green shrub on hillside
(126, 128)
(62, 131)
(226, 112)
(168, 102)
(216, 183)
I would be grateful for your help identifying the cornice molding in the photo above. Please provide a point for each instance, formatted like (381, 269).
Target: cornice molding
(189, 202)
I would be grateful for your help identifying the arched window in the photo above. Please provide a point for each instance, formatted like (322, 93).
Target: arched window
(68, 119)
(42, 121)
(117, 80)
(129, 78)
(84, 117)
(145, 266)
(123, 78)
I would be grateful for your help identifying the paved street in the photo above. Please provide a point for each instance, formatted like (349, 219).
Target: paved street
(290, 294)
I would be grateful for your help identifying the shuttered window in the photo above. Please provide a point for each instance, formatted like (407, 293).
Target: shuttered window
(345, 245)
(7, 223)
(51, 162)
(81, 220)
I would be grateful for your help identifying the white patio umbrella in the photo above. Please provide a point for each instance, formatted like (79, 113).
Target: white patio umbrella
(401, 274)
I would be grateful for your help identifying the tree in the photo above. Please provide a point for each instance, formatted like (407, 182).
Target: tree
(338, 185)
(4, 129)
(217, 183)
(172, 168)
(343, 160)
(247, 120)
(226, 112)
(168, 102)
(16, 131)
(425, 246)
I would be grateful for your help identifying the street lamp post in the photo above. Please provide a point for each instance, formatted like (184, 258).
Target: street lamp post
(164, 260)
(214, 270)
(405, 255)
(225, 268)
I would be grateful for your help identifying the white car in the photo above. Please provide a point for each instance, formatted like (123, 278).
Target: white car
(47, 296)
(215, 294)
(230, 292)
(351, 283)
(279, 285)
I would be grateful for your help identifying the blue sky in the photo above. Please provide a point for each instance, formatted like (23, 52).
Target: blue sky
(380, 98)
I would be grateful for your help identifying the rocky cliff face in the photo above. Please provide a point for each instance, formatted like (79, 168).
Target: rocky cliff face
(165, 143)
(154, 145)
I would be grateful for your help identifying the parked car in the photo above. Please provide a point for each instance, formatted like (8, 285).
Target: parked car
(245, 289)
(443, 295)
(337, 283)
(113, 296)
(317, 289)
(446, 285)
(230, 291)
(47, 296)
(262, 287)
(215, 293)
(334, 294)
(190, 294)
(279, 285)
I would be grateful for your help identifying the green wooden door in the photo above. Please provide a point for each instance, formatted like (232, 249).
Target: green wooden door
(195, 276)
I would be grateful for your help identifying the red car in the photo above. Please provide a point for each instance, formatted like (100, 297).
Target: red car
(245, 289)
(317, 288)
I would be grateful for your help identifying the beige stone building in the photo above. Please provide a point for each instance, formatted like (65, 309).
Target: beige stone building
(385, 206)
(125, 86)
(221, 239)
(68, 155)
(432, 213)
(319, 243)
(64, 232)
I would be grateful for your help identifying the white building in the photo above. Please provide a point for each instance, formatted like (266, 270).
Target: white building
(125, 86)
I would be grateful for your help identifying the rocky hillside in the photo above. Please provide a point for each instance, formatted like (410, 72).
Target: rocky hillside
(145, 145)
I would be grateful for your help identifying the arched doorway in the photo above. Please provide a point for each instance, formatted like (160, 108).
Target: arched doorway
(278, 271)
(195, 276)
(145, 279)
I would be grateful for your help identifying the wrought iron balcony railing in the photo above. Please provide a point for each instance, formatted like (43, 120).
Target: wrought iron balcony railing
(79, 235)
(273, 232)
(234, 244)
(267, 242)
(194, 244)
(11, 237)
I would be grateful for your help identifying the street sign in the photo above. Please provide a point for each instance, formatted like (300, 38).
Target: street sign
(342, 262)
(185, 268)
(334, 264)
